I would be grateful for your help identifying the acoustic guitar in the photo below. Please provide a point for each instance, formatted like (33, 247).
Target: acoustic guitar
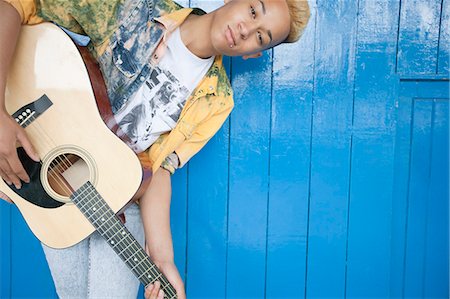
(86, 174)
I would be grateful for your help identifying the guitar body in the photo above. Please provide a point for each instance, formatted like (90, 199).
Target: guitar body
(50, 93)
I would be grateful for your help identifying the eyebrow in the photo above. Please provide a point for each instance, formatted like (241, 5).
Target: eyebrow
(264, 12)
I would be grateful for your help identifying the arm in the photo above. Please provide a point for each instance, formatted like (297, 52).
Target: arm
(155, 212)
(10, 132)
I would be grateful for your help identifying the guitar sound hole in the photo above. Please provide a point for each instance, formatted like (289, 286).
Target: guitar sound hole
(66, 173)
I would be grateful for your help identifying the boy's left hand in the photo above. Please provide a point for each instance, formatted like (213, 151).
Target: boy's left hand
(152, 291)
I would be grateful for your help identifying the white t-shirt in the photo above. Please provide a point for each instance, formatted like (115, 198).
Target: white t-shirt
(156, 106)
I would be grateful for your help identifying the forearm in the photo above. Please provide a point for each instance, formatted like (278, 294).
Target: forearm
(155, 211)
(9, 33)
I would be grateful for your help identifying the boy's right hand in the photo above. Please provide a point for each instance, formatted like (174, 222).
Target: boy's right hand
(11, 134)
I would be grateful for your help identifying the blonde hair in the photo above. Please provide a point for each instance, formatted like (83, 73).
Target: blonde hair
(299, 12)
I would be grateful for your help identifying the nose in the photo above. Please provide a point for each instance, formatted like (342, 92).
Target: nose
(245, 30)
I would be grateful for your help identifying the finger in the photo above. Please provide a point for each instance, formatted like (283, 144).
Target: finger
(148, 290)
(5, 177)
(5, 197)
(155, 290)
(17, 168)
(161, 294)
(28, 147)
(9, 175)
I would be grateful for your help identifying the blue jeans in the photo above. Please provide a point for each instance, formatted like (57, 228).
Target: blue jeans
(91, 269)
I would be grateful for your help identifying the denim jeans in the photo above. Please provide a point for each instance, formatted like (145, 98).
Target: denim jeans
(91, 269)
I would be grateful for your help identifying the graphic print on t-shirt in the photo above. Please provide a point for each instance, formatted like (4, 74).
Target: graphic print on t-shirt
(155, 110)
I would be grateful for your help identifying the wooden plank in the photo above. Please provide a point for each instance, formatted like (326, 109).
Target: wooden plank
(444, 40)
(372, 160)
(248, 184)
(330, 159)
(290, 166)
(437, 227)
(400, 187)
(417, 198)
(207, 219)
(418, 37)
(28, 263)
(5, 249)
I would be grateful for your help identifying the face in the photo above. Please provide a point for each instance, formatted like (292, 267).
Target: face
(245, 27)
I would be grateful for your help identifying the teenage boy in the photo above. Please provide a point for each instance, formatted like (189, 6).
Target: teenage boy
(169, 94)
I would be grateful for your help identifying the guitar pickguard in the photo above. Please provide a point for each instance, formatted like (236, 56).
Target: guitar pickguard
(33, 191)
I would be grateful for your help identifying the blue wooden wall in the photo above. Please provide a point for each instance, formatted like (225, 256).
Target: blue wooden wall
(331, 177)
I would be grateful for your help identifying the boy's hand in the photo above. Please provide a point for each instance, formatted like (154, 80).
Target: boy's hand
(5, 197)
(169, 269)
(11, 133)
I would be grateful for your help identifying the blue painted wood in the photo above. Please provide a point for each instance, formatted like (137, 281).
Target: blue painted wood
(437, 228)
(30, 275)
(372, 159)
(444, 40)
(290, 144)
(207, 220)
(418, 37)
(330, 158)
(417, 197)
(292, 198)
(5, 249)
(249, 168)
(411, 196)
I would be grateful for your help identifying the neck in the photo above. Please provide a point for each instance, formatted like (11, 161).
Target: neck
(195, 34)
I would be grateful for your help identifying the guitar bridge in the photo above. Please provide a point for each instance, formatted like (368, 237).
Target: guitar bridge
(28, 113)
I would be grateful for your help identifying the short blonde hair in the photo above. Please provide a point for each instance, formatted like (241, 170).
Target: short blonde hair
(299, 12)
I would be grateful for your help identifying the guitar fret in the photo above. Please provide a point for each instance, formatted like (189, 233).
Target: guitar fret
(152, 267)
(97, 211)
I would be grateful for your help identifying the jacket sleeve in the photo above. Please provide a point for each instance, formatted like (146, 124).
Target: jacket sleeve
(27, 11)
(202, 134)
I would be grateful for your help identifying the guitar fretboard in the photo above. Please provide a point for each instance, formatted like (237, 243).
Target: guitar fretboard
(108, 224)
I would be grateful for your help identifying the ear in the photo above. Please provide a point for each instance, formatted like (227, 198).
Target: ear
(256, 55)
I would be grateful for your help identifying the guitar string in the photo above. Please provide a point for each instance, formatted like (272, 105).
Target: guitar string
(141, 268)
(35, 126)
(135, 248)
(152, 269)
(38, 132)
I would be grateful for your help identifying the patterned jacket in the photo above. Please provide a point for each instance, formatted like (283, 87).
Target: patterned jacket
(127, 37)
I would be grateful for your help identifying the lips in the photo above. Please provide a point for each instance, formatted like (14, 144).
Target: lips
(230, 37)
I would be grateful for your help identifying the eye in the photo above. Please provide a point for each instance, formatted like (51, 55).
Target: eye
(253, 12)
(259, 35)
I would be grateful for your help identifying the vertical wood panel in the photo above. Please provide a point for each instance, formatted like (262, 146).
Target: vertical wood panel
(411, 215)
(332, 114)
(418, 37)
(207, 219)
(444, 40)
(30, 275)
(417, 198)
(249, 156)
(290, 166)
(372, 151)
(401, 185)
(5, 249)
(437, 228)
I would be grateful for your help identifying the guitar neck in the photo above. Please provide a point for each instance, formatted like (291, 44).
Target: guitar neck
(108, 224)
